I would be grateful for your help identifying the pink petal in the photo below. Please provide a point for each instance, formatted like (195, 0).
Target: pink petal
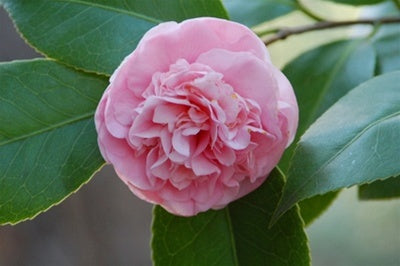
(143, 125)
(181, 177)
(171, 193)
(181, 143)
(119, 110)
(99, 114)
(240, 141)
(287, 104)
(226, 177)
(202, 166)
(197, 116)
(256, 80)
(130, 168)
(176, 157)
(183, 208)
(202, 142)
(167, 113)
(161, 171)
(190, 131)
(206, 193)
(186, 40)
(267, 153)
(165, 138)
(225, 155)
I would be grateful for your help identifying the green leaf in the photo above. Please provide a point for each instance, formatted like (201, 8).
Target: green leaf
(95, 35)
(312, 208)
(381, 189)
(357, 2)
(322, 76)
(386, 39)
(356, 141)
(235, 235)
(48, 146)
(254, 12)
(387, 45)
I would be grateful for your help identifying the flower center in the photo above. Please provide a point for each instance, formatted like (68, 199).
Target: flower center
(191, 122)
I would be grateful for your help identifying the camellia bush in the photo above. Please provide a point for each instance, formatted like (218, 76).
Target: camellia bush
(183, 100)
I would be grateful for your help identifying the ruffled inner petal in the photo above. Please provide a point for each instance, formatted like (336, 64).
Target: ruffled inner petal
(188, 133)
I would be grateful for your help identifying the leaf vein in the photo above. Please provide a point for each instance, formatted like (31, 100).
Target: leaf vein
(114, 9)
(49, 128)
(323, 166)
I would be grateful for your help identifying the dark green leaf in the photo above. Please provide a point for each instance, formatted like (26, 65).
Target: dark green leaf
(357, 2)
(320, 77)
(48, 146)
(386, 189)
(95, 35)
(255, 12)
(387, 45)
(312, 208)
(356, 141)
(235, 235)
(386, 40)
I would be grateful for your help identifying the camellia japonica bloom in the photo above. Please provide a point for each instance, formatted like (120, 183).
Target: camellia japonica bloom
(196, 116)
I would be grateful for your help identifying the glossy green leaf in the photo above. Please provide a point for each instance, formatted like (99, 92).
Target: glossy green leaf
(312, 208)
(95, 35)
(236, 235)
(385, 189)
(320, 77)
(48, 145)
(387, 45)
(255, 12)
(357, 2)
(356, 141)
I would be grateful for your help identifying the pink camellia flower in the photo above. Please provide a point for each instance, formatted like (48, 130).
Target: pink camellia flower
(197, 116)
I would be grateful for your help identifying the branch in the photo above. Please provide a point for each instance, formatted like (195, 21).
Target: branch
(281, 34)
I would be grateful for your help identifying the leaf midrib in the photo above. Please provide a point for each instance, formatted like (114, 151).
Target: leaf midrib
(232, 236)
(49, 128)
(323, 166)
(113, 9)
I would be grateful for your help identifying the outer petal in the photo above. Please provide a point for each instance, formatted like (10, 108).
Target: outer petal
(130, 168)
(119, 109)
(287, 104)
(267, 155)
(186, 40)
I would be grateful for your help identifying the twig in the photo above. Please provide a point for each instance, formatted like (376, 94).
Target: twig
(283, 33)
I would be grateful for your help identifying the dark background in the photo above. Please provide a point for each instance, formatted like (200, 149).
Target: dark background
(102, 224)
